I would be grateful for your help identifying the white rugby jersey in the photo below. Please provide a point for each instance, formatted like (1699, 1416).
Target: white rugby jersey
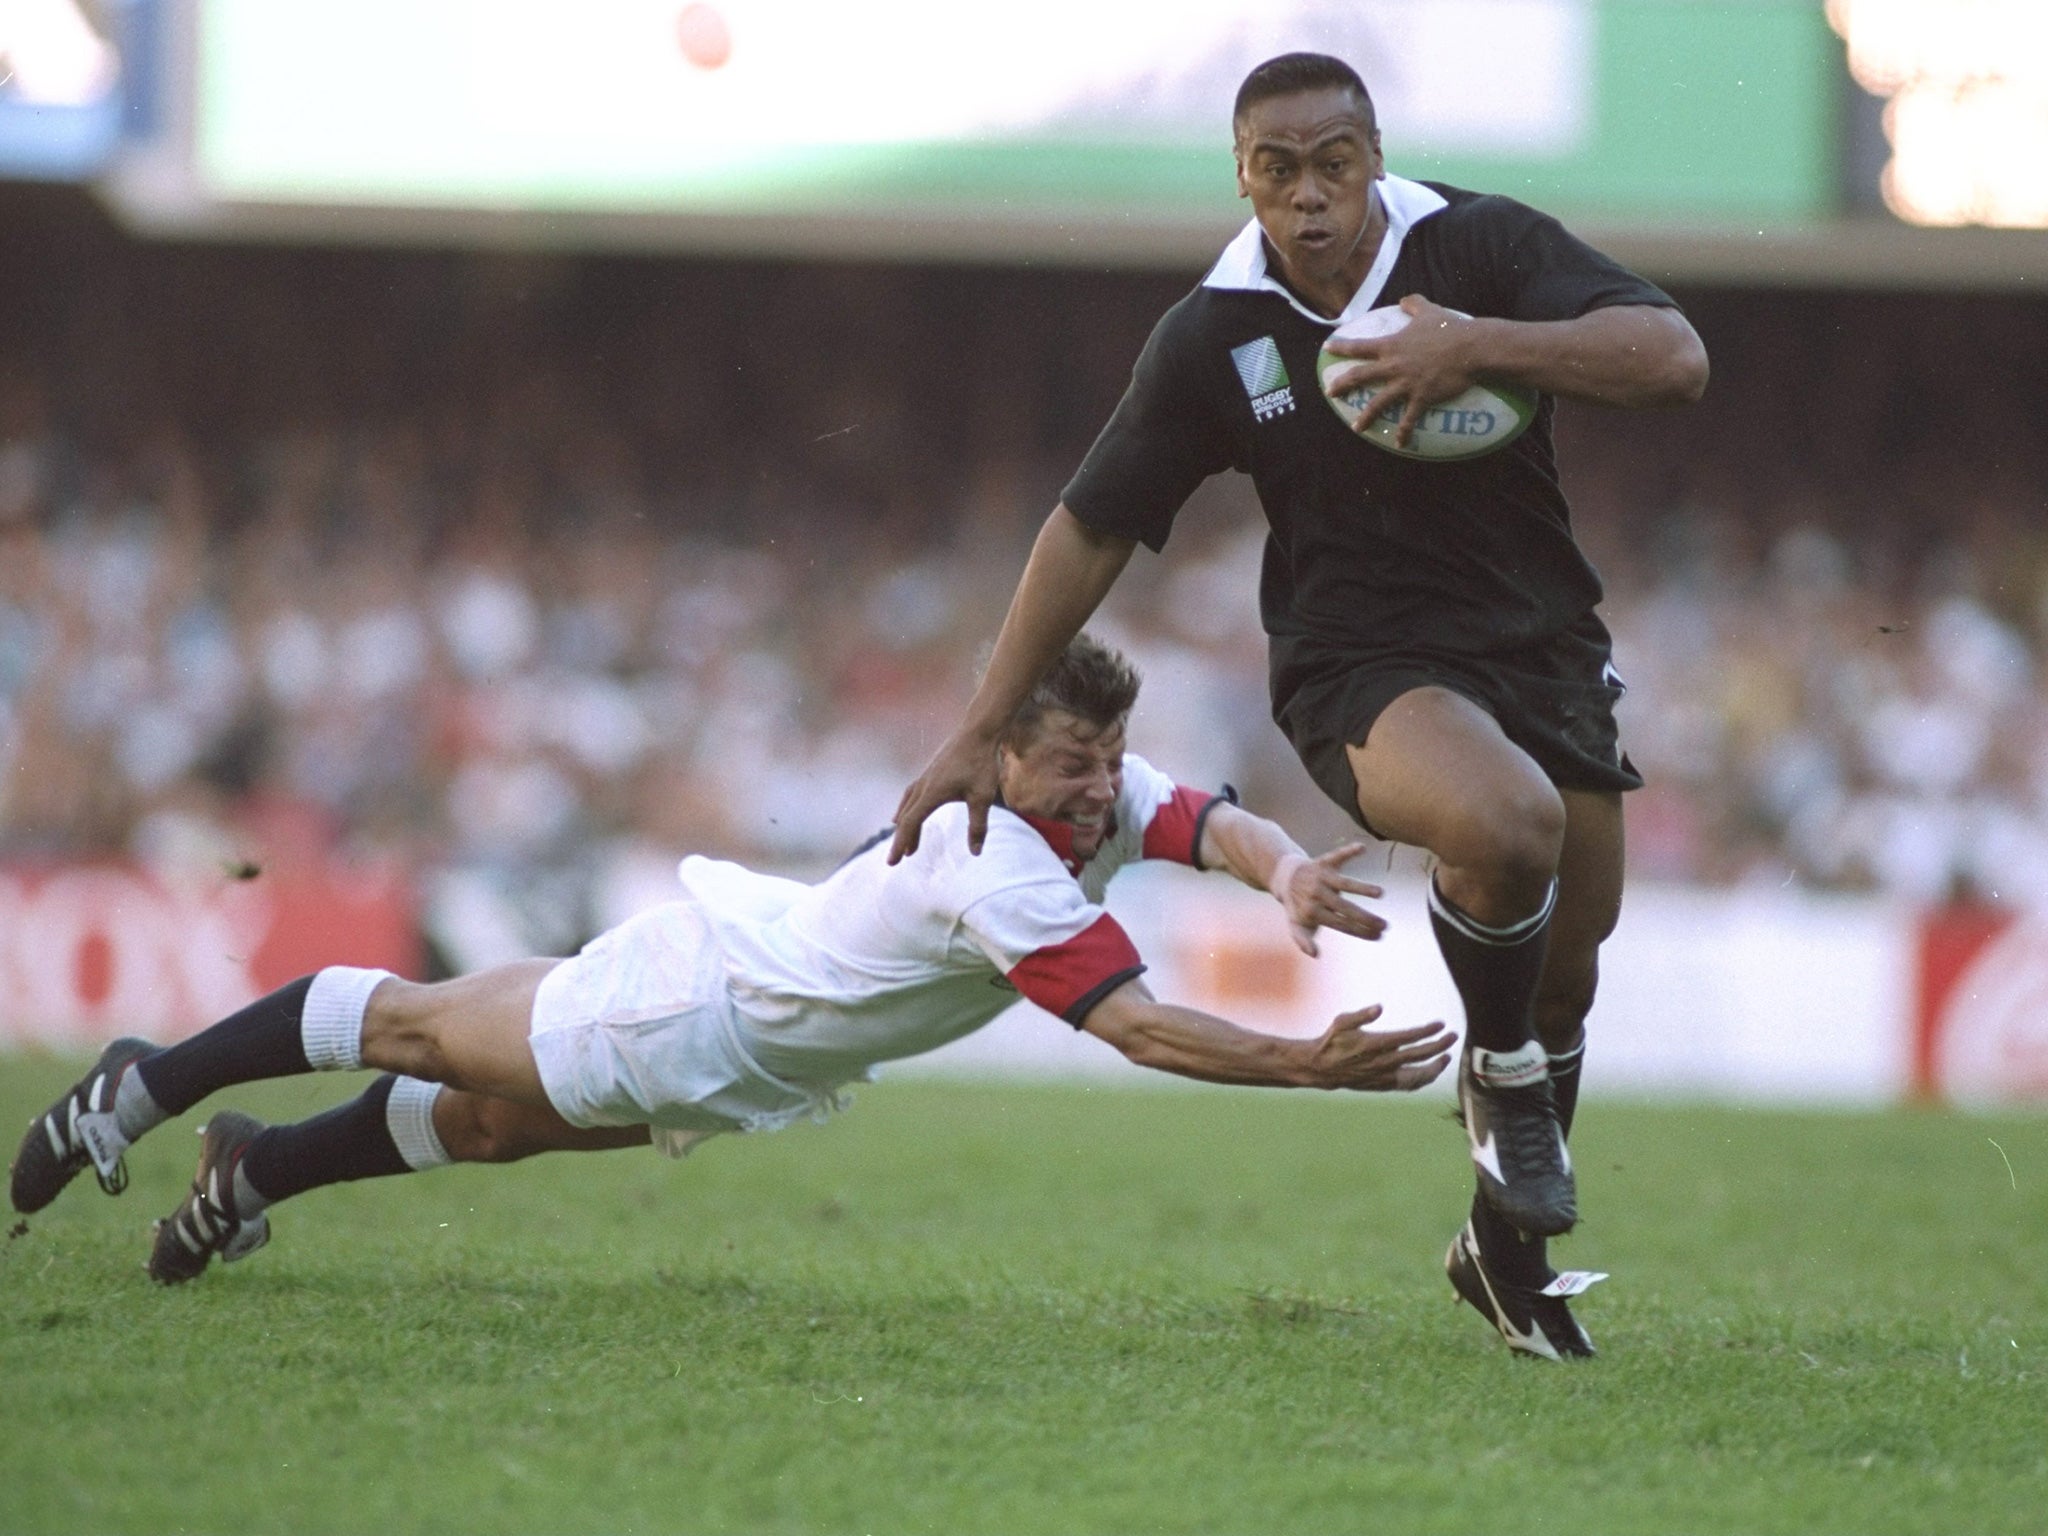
(881, 961)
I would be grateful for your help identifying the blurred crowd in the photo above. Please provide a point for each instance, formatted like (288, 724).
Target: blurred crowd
(537, 573)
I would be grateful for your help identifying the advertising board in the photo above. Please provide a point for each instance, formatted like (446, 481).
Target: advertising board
(89, 952)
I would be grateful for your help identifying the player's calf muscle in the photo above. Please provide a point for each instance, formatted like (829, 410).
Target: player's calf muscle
(476, 1128)
(1563, 999)
(401, 1032)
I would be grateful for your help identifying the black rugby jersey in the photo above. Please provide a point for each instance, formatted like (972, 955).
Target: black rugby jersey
(1369, 554)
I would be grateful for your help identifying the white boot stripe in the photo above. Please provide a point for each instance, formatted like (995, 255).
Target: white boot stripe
(56, 1136)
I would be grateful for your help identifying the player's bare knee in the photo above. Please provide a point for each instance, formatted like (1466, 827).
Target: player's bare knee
(1511, 840)
(478, 1129)
(1536, 834)
(486, 1140)
(456, 1123)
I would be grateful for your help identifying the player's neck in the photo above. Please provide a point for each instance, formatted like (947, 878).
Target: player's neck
(1329, 296)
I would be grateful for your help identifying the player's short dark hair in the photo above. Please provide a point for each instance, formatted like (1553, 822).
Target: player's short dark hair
(1292, 72)
(1093, 682)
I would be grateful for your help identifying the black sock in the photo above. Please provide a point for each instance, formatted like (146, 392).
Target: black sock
(1494, 969)
(352, 1141)
(262, 1041)
(1564, 1083)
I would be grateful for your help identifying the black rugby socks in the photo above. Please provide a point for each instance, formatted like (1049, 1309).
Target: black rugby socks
(314, 1024)
(388, 1129)
(1494, 969)
(261, 1041)
(1564, 1083)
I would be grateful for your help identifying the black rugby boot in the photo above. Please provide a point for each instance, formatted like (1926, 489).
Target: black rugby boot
(205, 1223)
(1510, 1115)
(1534, 1321)
(77, 1131)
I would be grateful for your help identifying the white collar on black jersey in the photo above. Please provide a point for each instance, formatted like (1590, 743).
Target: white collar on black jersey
(1243, 262)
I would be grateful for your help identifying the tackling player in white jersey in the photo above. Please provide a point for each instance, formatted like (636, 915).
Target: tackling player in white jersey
(749, 1002)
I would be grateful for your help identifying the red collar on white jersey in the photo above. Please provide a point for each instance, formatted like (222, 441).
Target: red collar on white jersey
(1059, 836)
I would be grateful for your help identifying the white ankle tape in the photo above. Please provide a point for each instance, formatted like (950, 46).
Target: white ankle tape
(331, 1024)
(1518, 1068)
(409, 1116)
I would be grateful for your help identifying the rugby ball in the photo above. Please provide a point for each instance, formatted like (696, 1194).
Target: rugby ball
(1483, 419)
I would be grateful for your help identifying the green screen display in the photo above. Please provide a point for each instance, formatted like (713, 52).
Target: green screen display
(1651, 112)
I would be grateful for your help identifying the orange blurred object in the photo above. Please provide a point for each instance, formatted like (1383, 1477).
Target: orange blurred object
(703, 36)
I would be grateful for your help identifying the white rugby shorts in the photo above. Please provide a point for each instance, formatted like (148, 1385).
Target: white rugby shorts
(638, 1030)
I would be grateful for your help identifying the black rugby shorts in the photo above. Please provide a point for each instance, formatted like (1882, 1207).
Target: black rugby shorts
(1555, 700)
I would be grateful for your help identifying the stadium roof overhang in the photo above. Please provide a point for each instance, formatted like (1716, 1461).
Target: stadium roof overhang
(1871, 251)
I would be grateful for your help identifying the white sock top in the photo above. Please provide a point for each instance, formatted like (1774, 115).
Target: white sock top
(331, 1024)
(409, 1116)
(1508, 933)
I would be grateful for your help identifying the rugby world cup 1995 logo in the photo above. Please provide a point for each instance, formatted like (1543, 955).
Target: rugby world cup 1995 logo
(1265, 377)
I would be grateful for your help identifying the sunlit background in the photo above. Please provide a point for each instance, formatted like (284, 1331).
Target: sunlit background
(1966, 87)
(456, 457)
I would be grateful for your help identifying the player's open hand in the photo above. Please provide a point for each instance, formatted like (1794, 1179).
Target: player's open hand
(1315, 893)
(964, 768)
(1377, 1061)
(1427, 361)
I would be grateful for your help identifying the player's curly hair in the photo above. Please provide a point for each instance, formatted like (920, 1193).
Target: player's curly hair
(1292, 72)
(1091, 681)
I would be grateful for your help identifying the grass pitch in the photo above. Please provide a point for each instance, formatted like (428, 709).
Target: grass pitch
(1040, 1309)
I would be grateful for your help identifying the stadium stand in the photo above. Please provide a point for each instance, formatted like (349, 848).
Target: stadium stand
(537, 570)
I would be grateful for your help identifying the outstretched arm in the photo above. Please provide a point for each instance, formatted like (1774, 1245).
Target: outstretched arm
(1312, 891)
(1194, 1044)
(1072, 568)
(1635, 355)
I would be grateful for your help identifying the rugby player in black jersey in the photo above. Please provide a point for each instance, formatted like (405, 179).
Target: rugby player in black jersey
(1435, 655)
